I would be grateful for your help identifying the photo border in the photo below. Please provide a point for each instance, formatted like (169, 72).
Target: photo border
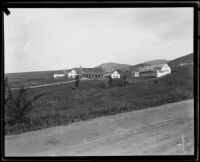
(109, 4)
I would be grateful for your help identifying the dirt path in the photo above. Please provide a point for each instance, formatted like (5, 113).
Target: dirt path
(163, 130)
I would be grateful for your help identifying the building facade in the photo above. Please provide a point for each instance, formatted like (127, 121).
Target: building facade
(91, 73)
(86, 73)
(72, 74)
(114, 74)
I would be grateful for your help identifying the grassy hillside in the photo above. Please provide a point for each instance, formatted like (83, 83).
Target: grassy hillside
(31, 78)
(185, 59)
(156, 62)
(63, 104)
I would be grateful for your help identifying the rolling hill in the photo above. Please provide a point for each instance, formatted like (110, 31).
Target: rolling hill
(184, 59)
(28, 75)
(156, 62)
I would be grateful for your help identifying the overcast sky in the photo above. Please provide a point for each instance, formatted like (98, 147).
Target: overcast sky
(54, 39)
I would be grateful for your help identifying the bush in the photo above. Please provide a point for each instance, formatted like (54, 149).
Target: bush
(18, 105)
(118, 82)
(102, 85)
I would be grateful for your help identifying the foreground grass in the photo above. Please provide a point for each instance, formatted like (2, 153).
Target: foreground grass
(64, 104)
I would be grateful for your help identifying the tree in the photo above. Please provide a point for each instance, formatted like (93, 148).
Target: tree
(125, 81)
(109, 80)
(18, 105)
(77, 81)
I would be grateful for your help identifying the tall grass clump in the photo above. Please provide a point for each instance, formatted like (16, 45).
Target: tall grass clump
(17, 105)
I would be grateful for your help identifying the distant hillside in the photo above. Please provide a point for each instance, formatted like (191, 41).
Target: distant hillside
(114, 66)
(156, 62)
(12, 77)
(184, 59)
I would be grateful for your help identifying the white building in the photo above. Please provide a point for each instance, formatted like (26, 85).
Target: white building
(152, 71)
(72, 74)
(58, 75)
(114, 74)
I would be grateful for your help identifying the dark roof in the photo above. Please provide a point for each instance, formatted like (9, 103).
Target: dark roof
(87, 70)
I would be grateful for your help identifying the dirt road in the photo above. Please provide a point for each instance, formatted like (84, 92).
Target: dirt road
(163, 130)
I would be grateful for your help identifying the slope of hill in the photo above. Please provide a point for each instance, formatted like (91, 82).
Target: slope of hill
(184, 59)
(63, 104)
(156, 62)
(30, 78)
(114, 66)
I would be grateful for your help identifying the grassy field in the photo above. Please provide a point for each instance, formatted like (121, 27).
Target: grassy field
(63, 104)
(32, 78)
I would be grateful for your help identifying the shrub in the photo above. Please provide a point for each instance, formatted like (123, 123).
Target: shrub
(19, 105)
(155, 81)
(118, 82)
(102, 85)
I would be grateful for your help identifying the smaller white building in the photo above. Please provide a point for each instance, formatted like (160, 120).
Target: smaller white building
(115, 75)
(58, 75)
(72, 74)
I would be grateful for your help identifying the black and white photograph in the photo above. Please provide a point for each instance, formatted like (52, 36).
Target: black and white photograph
(99, 81)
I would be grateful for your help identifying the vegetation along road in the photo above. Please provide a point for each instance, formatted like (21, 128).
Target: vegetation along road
(162, 130)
